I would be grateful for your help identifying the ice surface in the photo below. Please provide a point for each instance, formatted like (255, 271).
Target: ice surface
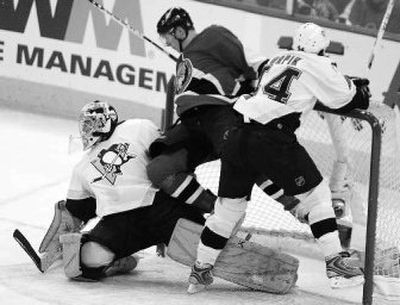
(35, 168)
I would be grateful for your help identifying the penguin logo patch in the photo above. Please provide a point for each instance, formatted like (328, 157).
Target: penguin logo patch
(109, 161)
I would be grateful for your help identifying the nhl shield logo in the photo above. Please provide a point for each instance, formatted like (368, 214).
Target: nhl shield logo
(184, 71)
(300, 181)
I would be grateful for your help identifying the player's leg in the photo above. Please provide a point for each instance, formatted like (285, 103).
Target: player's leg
(96, 254)
(274, 150)
(215, 122)
(236, 183)
(108, 248)
(303, 180)
(174, 158)
(164, 214)
(341, 180)
(274, 191)
(86, 260)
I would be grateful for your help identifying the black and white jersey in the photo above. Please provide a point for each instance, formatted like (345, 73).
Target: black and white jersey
(114, 171)
(292, 82)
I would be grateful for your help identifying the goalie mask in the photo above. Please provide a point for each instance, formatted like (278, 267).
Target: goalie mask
(310, 38)
(97, 122)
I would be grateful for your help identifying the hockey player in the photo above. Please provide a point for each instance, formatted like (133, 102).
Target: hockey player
(265, 142)
(215, 68)
(110, 182)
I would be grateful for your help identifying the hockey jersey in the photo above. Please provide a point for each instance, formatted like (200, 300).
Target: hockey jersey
(219, 64)
(292, 82)
(114, 171)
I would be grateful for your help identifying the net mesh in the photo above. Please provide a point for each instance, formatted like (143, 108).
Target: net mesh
(265, 216)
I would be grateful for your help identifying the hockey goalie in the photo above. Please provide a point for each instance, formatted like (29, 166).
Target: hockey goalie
(110, 182)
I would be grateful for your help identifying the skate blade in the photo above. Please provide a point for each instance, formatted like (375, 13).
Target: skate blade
(341, 282)
(195, 288)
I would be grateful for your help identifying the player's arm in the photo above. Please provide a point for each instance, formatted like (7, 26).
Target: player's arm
(248, 61)
(241, 58)
(361, 99)
(335, 90)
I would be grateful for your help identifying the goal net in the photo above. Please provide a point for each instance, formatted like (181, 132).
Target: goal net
(268, 222)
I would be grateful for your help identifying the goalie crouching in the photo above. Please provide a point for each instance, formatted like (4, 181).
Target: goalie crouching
(110, 182)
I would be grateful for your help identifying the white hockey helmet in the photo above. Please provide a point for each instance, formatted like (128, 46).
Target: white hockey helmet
(310, 38)
(97, 122)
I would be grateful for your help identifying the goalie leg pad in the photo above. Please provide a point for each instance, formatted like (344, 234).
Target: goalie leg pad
(71, 245)
(63, 222)
(242, 262)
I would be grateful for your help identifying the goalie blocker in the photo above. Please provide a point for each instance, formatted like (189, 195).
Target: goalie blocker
(242, 262)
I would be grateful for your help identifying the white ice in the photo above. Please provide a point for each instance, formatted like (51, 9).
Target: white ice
(35, 168)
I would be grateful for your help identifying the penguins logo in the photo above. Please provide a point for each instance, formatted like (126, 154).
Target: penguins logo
(184, 71)
(110, 160)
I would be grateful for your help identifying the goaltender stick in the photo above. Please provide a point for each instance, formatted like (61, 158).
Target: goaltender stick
(110, 181)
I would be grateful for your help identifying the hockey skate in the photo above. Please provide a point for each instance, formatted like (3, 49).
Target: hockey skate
(122, 266)
(63, 222)
(343, 271)
(200, 277)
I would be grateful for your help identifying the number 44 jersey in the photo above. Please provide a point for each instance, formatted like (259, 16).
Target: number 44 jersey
(293, 81)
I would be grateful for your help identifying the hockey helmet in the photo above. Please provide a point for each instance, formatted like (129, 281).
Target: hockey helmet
(172, 18)
(310, 38)
(97, 122)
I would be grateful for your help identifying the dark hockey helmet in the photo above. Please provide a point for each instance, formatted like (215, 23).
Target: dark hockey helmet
(97, 122)
(175, 16)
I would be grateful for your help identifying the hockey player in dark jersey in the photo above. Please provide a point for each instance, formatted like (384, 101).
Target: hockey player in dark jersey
(214, 69)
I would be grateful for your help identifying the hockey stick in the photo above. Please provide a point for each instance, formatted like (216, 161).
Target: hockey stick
(132, 29)
(46, 260)
(379, 36)
(26, 245)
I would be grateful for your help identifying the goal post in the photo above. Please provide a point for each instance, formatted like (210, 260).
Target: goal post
(373, 191)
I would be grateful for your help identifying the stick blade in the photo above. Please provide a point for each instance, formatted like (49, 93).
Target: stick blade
(27, 247)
